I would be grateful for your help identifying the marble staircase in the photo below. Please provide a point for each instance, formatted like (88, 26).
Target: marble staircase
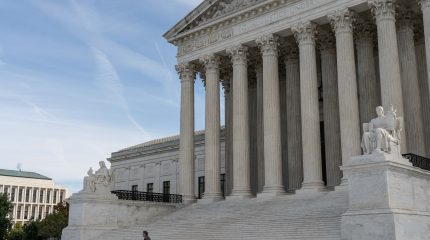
(299, 216)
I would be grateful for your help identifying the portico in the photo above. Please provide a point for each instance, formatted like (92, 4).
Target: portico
(339, 59)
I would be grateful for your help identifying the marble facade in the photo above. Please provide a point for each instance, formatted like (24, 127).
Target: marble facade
(320, 67)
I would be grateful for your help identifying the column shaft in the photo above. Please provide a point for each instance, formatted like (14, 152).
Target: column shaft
(212, 132)
(241, 160)
(347, 84)
(411, 97)
(260, 127)
(389, 64)
(312, 166)
(186, 142)
(331, 109)
(368, 90)
(294, 129)
(424, 91)
(425, 7)
(271, 113)
(228, 153)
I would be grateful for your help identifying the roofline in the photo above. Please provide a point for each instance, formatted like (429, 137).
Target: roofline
(40, 178)
(188, 18)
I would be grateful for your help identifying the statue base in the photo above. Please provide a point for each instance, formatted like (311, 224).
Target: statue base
(388, 199)
(92, 214)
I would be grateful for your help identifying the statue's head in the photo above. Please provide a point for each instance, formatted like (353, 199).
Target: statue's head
(380, 111)
(102, 164)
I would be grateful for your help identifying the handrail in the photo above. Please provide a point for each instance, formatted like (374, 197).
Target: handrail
(147, 196)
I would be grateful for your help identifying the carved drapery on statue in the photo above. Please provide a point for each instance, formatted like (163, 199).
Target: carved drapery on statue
(382, 134)
(100, 181)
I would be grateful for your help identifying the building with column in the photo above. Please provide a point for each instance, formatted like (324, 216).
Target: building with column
(301, 80)
(33, 195)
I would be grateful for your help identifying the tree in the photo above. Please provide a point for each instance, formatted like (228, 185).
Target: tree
(31, 231)
(17, 233)
(53, 225)
(5, 208)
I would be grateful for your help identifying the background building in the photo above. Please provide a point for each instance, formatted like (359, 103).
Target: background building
(33, 195)
(153, 166)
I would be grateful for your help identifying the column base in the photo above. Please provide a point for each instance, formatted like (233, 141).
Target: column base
(188, 199)
(271, 192)
(239, 195)
(210, 198)
(312, 187)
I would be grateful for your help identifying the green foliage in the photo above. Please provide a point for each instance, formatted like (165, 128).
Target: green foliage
(53, 224)
(17, 233)
(31, 231)
(50, 227)
(5, 208)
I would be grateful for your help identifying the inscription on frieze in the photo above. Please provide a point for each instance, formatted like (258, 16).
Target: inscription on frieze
(277, 15)
(249, 25)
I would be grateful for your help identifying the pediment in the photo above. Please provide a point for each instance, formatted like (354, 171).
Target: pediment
(207, 12)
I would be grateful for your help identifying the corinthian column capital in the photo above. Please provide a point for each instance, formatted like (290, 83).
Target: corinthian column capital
(187, 71)
(268, 44)
(290, 52)
(405, 19)
(211, 62)
(326, 42)
(238, 54)
(365, 31)
(383, 9)
(342, 20)
(305, 33)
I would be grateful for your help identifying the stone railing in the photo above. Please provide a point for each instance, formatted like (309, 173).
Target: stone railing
(147, 196)
(418, 161)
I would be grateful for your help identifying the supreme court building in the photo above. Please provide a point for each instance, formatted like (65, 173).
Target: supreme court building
(299, 79)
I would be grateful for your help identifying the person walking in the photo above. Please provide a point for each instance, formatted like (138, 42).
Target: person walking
(146, 236)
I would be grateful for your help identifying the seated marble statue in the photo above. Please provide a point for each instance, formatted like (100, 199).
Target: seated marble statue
(99, 180)
(382, 134)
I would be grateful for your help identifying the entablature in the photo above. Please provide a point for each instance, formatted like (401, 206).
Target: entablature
(270, 16)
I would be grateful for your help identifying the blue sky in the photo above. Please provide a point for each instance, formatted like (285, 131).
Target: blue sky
(80, 79)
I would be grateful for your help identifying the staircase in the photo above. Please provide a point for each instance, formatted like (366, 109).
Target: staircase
(299, 216)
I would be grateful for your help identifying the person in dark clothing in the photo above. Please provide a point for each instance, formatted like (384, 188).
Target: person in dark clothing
(146, 236)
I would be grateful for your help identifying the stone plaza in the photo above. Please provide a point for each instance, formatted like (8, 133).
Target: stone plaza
(323, 99)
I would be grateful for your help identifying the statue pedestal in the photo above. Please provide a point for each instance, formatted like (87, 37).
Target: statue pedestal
(388, 199)
(90, 214)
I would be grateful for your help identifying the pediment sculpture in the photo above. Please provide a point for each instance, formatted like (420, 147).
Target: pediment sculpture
(98, 181)
(382, 134)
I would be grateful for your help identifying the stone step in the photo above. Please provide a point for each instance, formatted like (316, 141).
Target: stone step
(287, 217)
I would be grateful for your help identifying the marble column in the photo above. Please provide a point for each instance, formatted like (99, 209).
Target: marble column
(294, 129)
(410, 87)
(368, 90)
(212, 129)
(420, 52)
(389, 62)
(241, 160)
(342, 21)
(327, 45)
(304, 33)
(228, 152)
(252, 106)
(260, 125)
(271, 113)
(425, 7)
(187, 75)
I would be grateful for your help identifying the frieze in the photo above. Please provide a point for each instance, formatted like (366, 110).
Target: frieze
(219, 35)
